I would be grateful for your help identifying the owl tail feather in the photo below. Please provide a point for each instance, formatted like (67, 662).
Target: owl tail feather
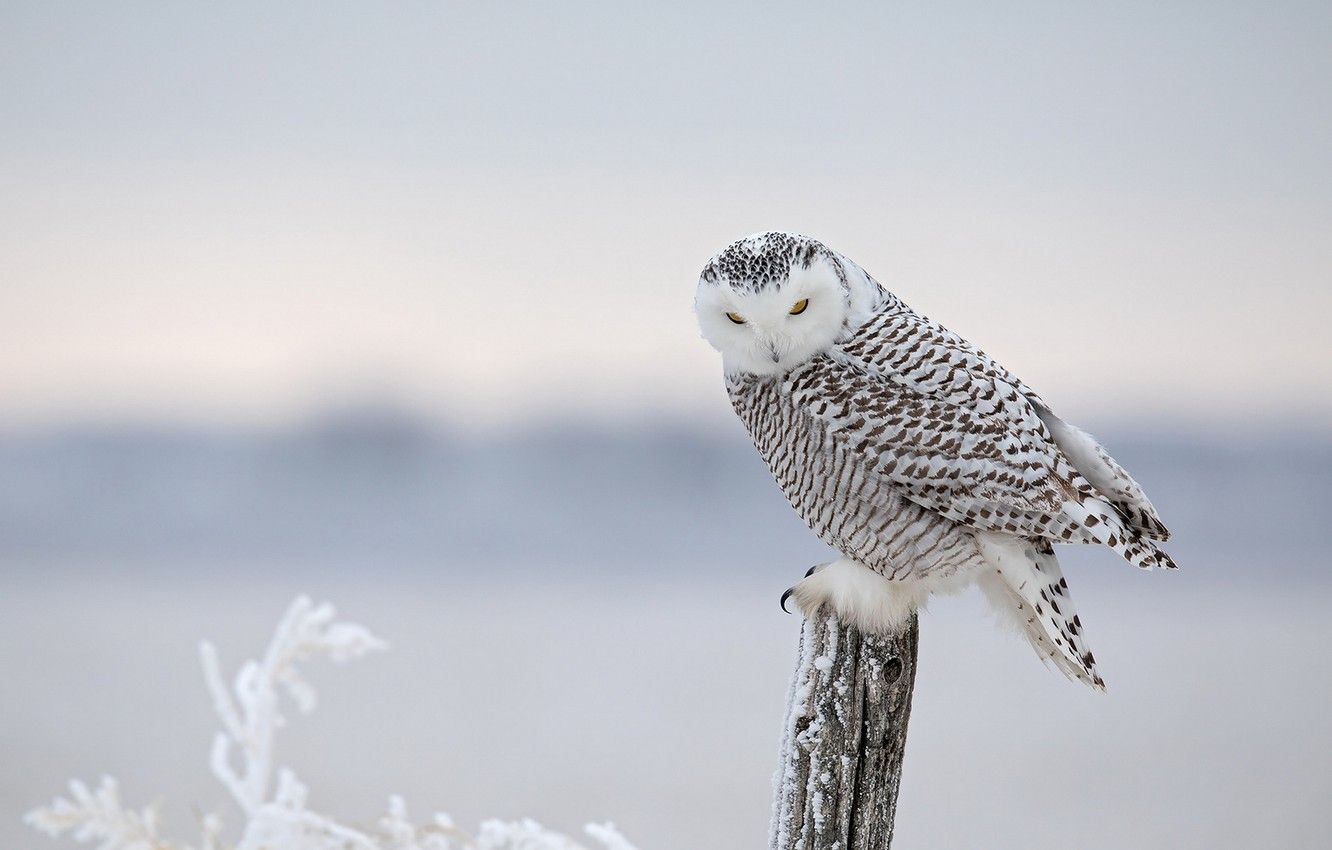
(1027, 587)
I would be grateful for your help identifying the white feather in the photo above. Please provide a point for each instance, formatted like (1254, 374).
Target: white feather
(1014, 586)
(863, 598)
(771, 339)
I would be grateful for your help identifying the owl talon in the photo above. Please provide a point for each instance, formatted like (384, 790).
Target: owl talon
(786, 596)
(809, 572)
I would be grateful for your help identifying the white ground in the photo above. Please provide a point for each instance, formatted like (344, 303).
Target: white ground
(658, 707)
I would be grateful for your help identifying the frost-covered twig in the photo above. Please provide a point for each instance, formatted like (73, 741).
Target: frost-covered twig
(99, 816)
(251, 717)
(280, 820)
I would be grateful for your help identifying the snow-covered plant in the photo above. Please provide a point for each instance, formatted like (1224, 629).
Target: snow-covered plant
(275, 812)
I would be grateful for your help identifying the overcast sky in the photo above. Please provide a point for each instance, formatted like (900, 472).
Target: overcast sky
(245, 214)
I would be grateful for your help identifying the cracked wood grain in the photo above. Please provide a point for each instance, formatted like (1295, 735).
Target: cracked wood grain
(844, 737)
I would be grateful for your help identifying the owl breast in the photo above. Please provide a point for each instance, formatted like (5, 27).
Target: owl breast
(857, 514)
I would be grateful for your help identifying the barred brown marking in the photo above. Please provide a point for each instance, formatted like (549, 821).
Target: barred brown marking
(848, 509)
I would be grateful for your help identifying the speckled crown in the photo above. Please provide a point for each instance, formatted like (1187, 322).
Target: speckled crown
(766, 259)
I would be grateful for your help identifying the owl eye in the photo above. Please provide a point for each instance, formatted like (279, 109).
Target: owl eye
(736, 317)
(799, 306)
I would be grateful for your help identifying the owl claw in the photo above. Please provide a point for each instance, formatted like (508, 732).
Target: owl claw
(787, 595)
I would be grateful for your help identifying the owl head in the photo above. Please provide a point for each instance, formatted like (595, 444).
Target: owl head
(773, 300)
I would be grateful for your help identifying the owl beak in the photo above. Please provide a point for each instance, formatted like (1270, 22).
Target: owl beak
(769, 345)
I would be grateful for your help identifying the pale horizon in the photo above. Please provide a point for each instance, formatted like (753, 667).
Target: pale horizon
(212, 223)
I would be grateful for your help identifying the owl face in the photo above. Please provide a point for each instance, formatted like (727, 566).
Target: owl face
(771, 328)
(770, 302)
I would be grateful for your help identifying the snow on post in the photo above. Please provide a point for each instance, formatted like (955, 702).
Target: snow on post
(844, 737)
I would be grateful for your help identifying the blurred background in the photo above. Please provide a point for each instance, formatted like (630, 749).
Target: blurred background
(391, 304)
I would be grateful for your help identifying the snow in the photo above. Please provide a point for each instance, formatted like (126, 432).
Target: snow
(506, 698)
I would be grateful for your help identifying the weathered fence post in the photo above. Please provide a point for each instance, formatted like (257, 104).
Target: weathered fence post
(844, 736)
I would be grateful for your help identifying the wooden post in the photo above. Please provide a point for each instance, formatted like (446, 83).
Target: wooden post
(844, 736)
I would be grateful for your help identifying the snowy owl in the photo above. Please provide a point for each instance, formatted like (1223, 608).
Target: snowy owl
(924, 463)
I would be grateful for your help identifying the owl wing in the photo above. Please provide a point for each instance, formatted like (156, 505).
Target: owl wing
(937, 362)
(920, 410)
(976, 468)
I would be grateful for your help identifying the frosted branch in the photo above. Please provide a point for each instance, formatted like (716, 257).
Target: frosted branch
(99, 816)
(249, 712)
(241, 757)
